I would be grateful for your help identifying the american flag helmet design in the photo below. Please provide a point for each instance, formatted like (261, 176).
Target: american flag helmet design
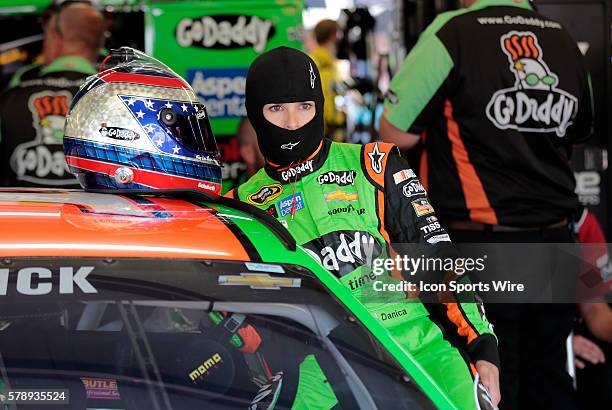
(139, 125)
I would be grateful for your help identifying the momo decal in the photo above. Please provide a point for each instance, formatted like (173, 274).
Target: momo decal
(265, 194)
(205, 368)
(118, 133)
(534, 104)
(225, 31)
(293, 172)
(341, 178)
(286, 205)
(413, 188)
(422, 207)
(376, 158)
(341, 252)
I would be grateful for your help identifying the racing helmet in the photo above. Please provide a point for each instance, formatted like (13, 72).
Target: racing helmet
(139, 125)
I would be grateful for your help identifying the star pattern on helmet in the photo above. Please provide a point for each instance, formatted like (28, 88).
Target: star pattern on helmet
(146, 110)
(149, 128)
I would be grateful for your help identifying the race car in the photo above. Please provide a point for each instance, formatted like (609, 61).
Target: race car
(175, 299)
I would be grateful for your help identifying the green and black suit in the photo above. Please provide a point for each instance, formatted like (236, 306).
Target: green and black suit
(345, 204)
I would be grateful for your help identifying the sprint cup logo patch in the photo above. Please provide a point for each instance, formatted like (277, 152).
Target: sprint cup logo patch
(265, 194)
(534, 104)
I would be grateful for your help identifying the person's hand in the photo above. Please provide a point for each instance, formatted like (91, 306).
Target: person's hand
(586, 350)
(489, 377)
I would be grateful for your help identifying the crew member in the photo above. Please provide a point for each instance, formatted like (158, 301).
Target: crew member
(33, 110)
(499, 93)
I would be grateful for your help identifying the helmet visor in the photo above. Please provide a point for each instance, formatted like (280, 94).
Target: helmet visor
(190, 129)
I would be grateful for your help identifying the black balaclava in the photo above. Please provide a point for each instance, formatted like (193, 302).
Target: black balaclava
(284, 75)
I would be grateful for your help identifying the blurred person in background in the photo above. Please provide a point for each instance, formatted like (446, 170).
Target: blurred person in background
(499, 93)
(324, 55)
(33, 108)
(249, 150)
(592, 339)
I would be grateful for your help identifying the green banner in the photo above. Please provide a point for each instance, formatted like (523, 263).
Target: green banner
(211, 44)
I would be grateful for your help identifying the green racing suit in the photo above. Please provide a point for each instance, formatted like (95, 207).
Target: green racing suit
(346, 205)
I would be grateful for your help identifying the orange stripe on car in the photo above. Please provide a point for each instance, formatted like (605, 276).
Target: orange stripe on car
(475, 197)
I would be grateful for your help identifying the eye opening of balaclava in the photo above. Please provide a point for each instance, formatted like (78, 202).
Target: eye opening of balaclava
(284, 75)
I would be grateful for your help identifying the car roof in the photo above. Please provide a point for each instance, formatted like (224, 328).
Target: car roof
(52, 222)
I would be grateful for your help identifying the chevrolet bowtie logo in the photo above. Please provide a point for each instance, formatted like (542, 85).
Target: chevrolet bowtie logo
(259, 281)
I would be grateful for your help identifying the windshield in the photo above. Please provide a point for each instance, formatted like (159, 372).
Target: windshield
(168, 334)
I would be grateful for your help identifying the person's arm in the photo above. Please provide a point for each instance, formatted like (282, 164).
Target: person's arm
(598, 317)
(464, 322)
(417, 92)
(390, 133)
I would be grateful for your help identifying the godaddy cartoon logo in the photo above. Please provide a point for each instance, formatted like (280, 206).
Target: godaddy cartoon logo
(534, 104)
(41, 160)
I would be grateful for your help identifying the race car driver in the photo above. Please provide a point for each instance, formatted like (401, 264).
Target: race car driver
(346, 204)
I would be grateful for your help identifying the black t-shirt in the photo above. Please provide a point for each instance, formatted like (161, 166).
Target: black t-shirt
(32, 118)
(501, 93)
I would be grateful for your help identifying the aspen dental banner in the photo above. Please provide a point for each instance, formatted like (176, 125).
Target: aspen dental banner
(211, 44)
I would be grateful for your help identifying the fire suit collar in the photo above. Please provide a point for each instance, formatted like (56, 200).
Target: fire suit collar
(69, 63)
(298, 170)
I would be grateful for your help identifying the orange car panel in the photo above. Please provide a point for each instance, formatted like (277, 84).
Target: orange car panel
(74, 223)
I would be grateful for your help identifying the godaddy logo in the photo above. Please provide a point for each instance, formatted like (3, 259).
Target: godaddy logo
(534, 104)
(225, 31)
